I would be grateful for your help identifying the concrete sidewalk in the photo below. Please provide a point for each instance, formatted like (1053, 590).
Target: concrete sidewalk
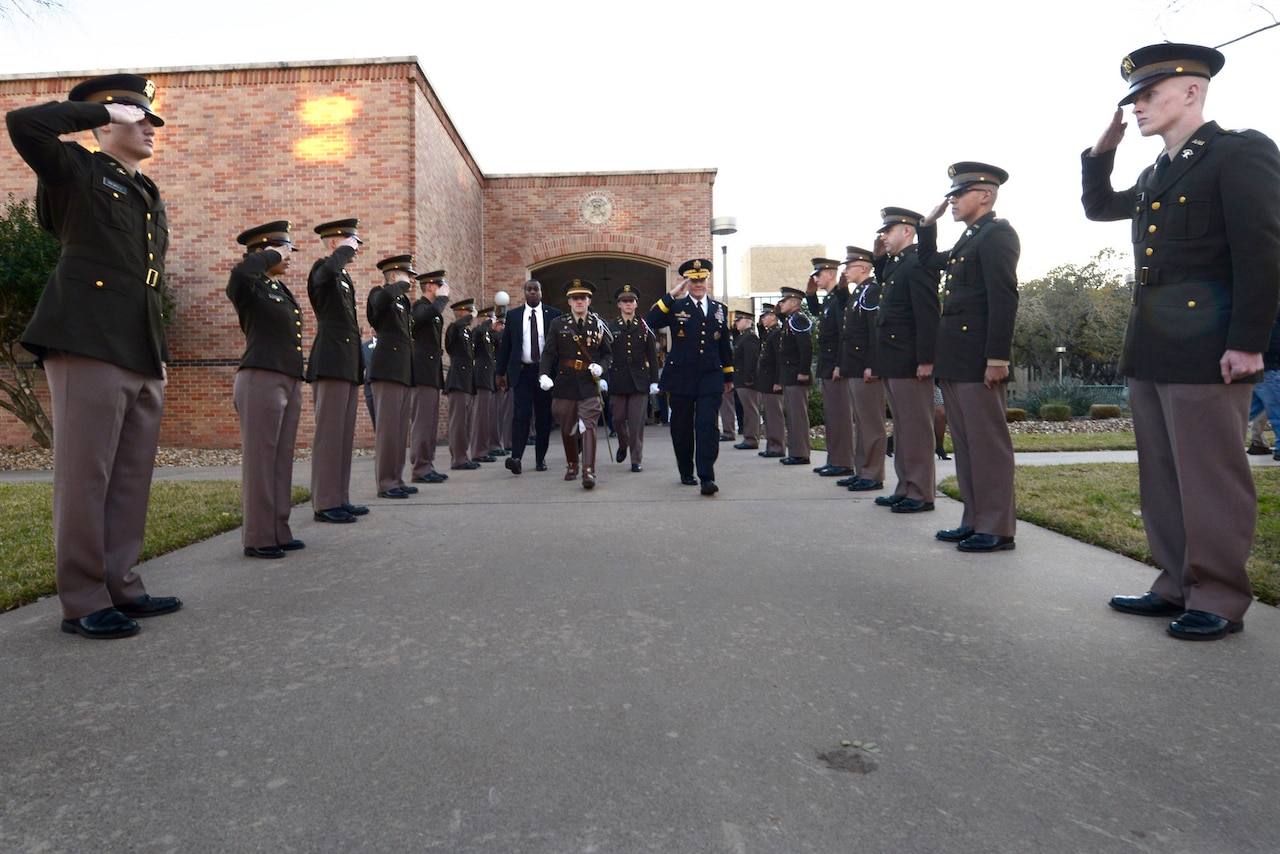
(513, 664)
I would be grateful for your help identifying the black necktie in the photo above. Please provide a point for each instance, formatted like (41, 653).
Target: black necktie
(535, 353)
(1162, 166)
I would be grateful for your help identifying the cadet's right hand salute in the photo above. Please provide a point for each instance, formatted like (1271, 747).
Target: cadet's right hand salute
(1110, 139)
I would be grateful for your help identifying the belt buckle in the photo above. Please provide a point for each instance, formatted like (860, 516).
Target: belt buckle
(153, 277)
(1143, 278)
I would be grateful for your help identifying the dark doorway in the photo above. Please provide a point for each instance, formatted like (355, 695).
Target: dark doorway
(608, 273)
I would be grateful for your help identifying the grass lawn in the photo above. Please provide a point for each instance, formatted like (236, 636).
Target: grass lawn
(179, 513)
(1035, 442)
(1098, 504)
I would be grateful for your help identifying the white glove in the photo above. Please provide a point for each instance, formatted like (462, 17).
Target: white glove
(653, 388)
(545, 383)
(604, 385)
(595, 369)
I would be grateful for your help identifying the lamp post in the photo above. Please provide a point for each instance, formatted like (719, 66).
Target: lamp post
(1060, 351)
(723, 226)
(501, 300)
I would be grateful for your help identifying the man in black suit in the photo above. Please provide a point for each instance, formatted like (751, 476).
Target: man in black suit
(699, 370)
(1206, 238)
(99, 333)
(523, 341)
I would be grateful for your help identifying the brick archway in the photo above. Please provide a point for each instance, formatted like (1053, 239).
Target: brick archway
(608, 271)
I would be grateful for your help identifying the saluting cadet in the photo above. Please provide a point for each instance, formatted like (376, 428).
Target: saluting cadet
(98, 331)
(746, 367)
(975, 346)
(902, 355)
(428, 376)
(1206, 241)
(857, 330)
(572, 368)
(335, 372)
(480, 439)
(633, 376)
(771, 410)
(268, 387)
(837, 398)
(698, 370)
(391, 373)
(795, 362)
(460, 385)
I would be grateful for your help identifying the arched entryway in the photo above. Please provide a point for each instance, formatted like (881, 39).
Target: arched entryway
(608, 272)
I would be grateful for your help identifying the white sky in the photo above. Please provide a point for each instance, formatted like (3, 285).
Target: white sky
(816, 114)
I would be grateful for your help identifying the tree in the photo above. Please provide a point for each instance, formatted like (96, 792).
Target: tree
(1081, 307)
(28, 255)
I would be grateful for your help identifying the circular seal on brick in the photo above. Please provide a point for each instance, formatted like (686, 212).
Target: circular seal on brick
(597, 209)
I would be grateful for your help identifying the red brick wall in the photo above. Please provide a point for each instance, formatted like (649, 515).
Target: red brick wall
(243, 146)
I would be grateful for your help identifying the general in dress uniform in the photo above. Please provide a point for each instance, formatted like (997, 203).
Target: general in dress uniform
(390, 313)
(268, 387)
(698, 370)
(98, 331)
(428, 376)
(1206, 240)
(633, 376)
(335, 372)
(902, 355)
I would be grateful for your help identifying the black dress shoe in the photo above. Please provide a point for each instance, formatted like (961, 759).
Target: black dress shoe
(743, 446)
(727, 437)
(1203, 626)
(689, 480)
(514, 465)
(794, 461)
(847, 481)
(709, 487)
(1258, 449)
(955, 535)
(942, 454)
(101, 625)
(487, 458)
(292, 545)
(1146, 605)
(467, 466)
(540, 465)
(864, 485)
(355, 509)
(334, 514)
(771, 454)
(499, 452)
(912, 505)
(408, 490)
(890, 500)
(149, 606)
(393, 492)
(620, 455)
(985, 543)
(431, 477)
(637, 467)
(268, 552)
(835, 471)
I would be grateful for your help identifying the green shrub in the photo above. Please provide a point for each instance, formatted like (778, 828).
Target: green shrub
(815, 405)
(1069, 392)
(1055, 412)
(1104, 410)
(1011, 415)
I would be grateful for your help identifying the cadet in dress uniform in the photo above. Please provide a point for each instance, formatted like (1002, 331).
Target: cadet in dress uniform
(1206, 240)
(391, 373)
(795, 362)
(573, 367)
(971, 361)
(428, 376)
(746, 368)
(500, 400)
(775, 428)
(698, 370)
(460, 385)
(480, 440)
(335, 372)
(837, 397)
(902, 355)
(268, 387)
(633, 376)
(98, 331)
(857, 330)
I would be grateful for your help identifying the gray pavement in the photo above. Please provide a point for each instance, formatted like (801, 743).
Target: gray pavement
(511, 664)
